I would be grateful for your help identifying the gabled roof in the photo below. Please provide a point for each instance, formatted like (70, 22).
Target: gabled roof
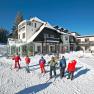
(46, 24)
(36, 19)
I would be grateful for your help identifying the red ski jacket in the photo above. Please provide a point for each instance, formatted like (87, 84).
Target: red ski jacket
(42, 62)
(71, 66)
(16, 58)
(27, 60)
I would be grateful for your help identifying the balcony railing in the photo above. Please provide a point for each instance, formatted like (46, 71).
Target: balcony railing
(49, 39)
(87, 43)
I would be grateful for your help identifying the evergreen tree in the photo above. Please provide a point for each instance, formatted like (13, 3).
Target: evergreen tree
(3, 35)
(19, 18)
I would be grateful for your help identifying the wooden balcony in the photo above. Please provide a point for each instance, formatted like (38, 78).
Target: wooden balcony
(89, 43)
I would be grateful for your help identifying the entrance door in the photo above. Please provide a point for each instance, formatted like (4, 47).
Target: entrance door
(52, 48)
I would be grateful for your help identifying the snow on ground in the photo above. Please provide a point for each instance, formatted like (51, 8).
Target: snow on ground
(3, 49)
(20, 82)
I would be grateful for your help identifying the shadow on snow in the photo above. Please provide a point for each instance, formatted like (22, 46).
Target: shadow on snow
(78, 68)
(81, 72)
(34, 89)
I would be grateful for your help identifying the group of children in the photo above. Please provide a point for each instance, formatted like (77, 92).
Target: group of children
(52, 63)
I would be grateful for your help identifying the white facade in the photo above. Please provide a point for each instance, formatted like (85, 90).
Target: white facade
(22, 31)
(26, 29)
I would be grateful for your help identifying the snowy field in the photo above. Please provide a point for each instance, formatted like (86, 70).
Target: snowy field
(20, 82)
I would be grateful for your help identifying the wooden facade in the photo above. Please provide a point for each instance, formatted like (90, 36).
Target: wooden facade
(49, 40)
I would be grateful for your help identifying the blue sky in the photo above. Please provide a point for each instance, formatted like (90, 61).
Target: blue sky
(74, 15)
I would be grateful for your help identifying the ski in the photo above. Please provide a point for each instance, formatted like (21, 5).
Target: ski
(50, 79)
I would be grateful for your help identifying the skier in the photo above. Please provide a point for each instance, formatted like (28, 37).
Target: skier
(27, 61)
(62, 66)
(16, 58)
(52, 64)
(42, 62)
(71, 68)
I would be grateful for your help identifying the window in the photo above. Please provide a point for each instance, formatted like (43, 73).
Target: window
(78, 40)
(51, 36)
(66, 37)
(86, 39)
(22, 25)
(22, 28)
(28, 23)
(52, 48)
(31, 24)
(39, 48)
(23, 35)
(46, 36)
(19, 37)
(35, 25)
(71, 39)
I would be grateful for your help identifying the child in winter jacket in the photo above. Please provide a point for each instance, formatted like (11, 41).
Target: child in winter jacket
(62, 66)
(42, 64)
(52, 64)
(27, 61)
(71, 69)
(17, 59)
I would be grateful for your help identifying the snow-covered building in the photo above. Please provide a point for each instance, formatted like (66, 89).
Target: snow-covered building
(37, 36)
(86, 42)
(75, 34)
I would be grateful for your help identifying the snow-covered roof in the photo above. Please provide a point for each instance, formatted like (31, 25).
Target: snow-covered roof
(50, 26)
(22, 22)
(85, 36)
(36, 19)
